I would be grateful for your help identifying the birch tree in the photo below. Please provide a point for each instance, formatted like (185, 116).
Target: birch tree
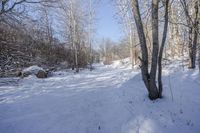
(149, 78)
(124, 11)
(191, 10)
(76, 21)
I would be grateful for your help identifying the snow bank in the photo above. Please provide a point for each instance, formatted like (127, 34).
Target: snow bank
(32, 69)
(109, 99)
(123, 63)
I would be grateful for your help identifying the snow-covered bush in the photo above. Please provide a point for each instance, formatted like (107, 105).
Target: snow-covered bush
(34, 70)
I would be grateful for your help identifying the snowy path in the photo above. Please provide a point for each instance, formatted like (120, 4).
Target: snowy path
(106, 100)
(67, 103)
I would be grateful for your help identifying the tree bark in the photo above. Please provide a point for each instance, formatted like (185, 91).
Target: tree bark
(193, 28)
(154, 59)
(194, 47)
(160, 86)
(140, 30)
(149, 79)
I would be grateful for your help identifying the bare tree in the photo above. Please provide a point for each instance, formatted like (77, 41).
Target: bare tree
(8, 5)
(192, 18)
(149, 78)
(124, 11)
(160, 86)
(76, 24)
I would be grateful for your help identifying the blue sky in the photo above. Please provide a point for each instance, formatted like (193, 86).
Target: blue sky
(107, 26)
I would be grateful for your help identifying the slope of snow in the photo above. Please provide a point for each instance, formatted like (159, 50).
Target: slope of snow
(124, 63)
(110, 99)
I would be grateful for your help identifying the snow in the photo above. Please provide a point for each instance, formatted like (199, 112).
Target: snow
(32, 69)
(110, 99)
(124, 63)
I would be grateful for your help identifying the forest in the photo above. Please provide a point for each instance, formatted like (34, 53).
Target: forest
(63, 71)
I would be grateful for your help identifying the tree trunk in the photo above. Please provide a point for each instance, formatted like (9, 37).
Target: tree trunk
(154, 59)
(160, 86)
(149, 79)
(142, 39)
(131, 46)
(194, 47)
(193, 26)
(190, 47)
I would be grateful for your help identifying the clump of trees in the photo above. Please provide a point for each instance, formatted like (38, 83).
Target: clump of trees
(35, 39)
(177, 20)
(22, 46)
(149, 77)
(110, 50)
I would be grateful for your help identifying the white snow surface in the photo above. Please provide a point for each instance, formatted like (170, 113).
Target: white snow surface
(110, 99)
(33, 69)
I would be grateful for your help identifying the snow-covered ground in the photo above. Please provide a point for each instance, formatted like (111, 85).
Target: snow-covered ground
(110, 99)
